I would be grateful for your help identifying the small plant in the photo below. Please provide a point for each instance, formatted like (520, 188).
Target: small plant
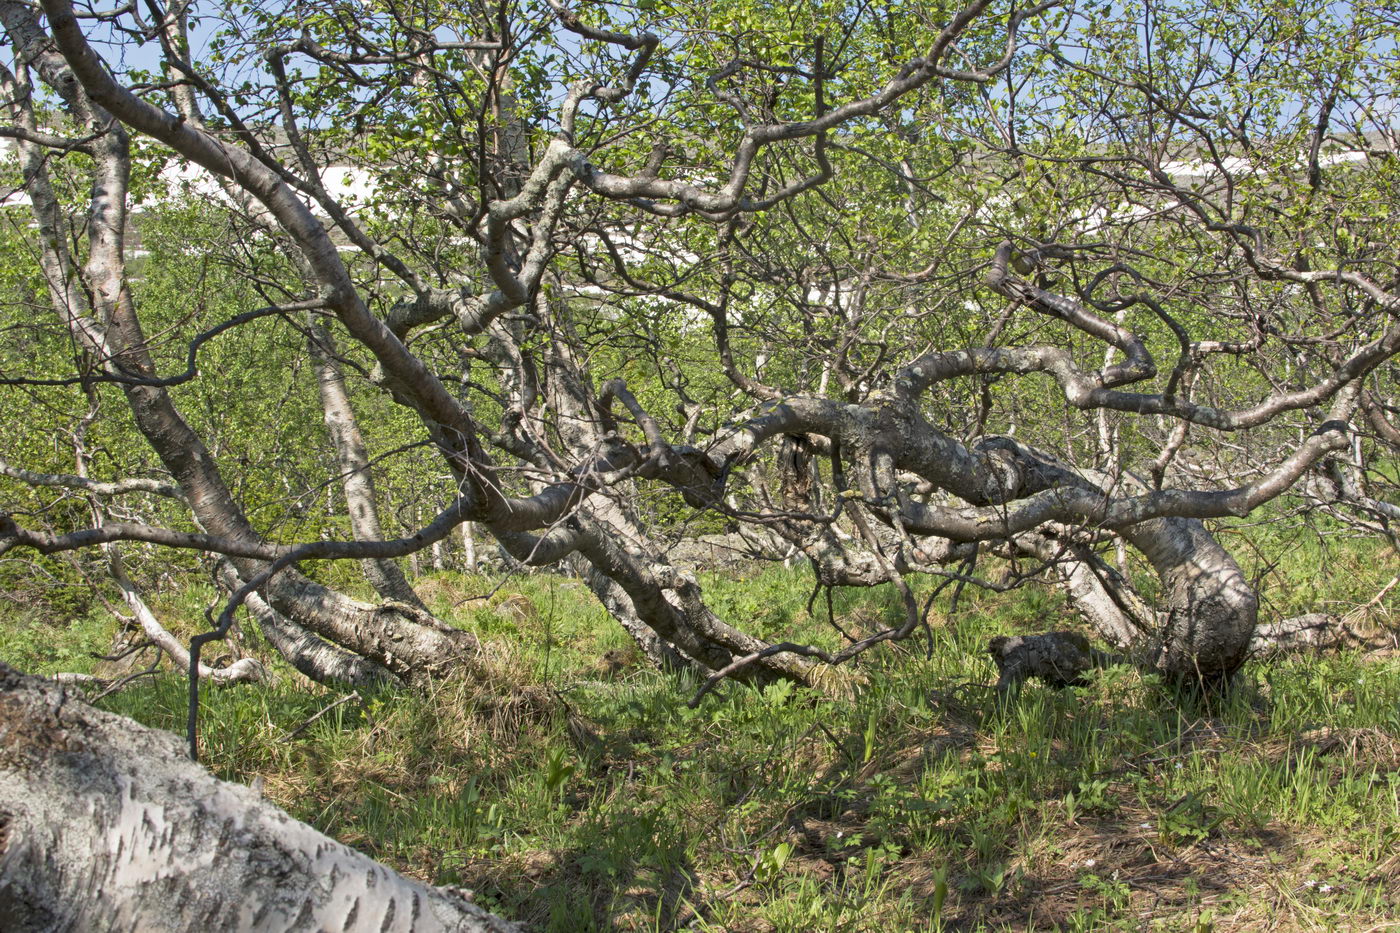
(1090, 796)
(940, 896)
(769, 865)
(1112, 892)
(1188, 821)
(557, 771)
(986, 879)
(871, 736)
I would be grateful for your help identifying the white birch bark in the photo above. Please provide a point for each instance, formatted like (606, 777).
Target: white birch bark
(241, 671)
(106, 825)
(352, 460)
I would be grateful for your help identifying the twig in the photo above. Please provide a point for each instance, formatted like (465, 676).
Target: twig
(308, 723)
(122, 683)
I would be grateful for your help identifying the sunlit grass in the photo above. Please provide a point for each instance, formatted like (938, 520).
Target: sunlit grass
(583, 794)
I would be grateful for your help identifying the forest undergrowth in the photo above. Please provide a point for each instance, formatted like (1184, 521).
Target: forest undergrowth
(578, 790)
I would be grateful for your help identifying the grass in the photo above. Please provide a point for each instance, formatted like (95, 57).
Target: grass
(579, 792)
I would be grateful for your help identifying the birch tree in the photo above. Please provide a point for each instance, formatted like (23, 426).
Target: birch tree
(892, 289)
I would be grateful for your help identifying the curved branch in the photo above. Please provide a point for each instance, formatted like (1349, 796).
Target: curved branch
(95, 487)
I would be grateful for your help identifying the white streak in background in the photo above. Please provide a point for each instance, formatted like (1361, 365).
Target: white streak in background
(351, 187)
(1232, 164)
(354, 188)
(1238, 165)
(1180, 171)
(17, 196)
(632, 249)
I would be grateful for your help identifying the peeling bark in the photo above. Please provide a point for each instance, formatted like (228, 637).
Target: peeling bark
(1202, 631)
(1211, 608)
(107, 825)
(322, 661)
